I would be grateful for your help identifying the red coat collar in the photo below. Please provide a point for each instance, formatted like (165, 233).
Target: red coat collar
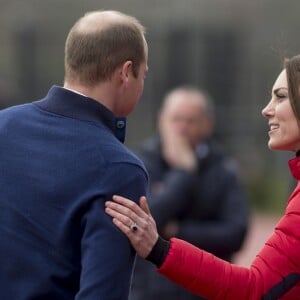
(294, 165)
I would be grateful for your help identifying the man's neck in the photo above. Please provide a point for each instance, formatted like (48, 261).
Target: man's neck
(100, 93)
(75, 91)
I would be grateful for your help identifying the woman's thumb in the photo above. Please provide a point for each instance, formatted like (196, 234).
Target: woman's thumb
(144, 205)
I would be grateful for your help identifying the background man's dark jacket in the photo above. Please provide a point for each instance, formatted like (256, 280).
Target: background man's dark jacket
(209, 205)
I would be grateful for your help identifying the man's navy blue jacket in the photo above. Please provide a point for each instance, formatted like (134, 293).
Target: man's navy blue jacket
(59, 161)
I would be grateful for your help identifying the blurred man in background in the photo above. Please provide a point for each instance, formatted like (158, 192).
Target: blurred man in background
(195, 192)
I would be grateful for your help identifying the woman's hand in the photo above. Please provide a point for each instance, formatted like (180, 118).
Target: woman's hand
(126, 214)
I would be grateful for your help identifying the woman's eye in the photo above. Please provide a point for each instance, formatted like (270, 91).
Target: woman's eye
(281, 96)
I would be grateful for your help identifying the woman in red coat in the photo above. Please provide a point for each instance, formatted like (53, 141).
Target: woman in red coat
(275, 272)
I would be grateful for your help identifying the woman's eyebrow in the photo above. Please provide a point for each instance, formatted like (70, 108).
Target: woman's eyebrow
(278, 89)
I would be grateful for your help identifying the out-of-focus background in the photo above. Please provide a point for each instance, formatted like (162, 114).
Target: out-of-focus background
(232, 48)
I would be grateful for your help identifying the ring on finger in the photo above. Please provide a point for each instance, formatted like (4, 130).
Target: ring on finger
(133, 227)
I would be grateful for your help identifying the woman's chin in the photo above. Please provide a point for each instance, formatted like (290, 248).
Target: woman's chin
(273, 146)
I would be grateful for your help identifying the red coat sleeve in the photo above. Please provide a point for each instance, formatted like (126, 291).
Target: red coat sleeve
(274, 272)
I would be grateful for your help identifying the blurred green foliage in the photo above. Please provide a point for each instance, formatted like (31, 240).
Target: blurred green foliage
(269, 192)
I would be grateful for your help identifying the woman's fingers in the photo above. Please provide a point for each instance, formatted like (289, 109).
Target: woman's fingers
(124, 228)
(124, 219)
(128, 207)
(127, 203)
(126, 214)
(126, 211)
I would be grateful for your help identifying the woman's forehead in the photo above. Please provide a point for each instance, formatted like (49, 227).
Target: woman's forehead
(281, 81)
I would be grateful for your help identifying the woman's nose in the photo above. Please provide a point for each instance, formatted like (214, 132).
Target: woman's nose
(267, 110)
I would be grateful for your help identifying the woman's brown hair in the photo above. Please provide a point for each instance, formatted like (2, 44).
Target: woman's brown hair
(292, 66)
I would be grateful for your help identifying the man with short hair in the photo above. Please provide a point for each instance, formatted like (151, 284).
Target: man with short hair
(62, 157)
(195, 193)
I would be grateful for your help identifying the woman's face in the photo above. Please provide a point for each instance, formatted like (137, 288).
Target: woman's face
(284, 131)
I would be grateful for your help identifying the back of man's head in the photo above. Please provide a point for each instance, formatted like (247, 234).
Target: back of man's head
(99, 43)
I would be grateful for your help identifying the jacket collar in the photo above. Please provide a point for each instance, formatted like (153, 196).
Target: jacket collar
(73, 105)
(294, 165)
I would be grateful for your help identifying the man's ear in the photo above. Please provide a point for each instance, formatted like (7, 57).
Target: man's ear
(126, 72)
